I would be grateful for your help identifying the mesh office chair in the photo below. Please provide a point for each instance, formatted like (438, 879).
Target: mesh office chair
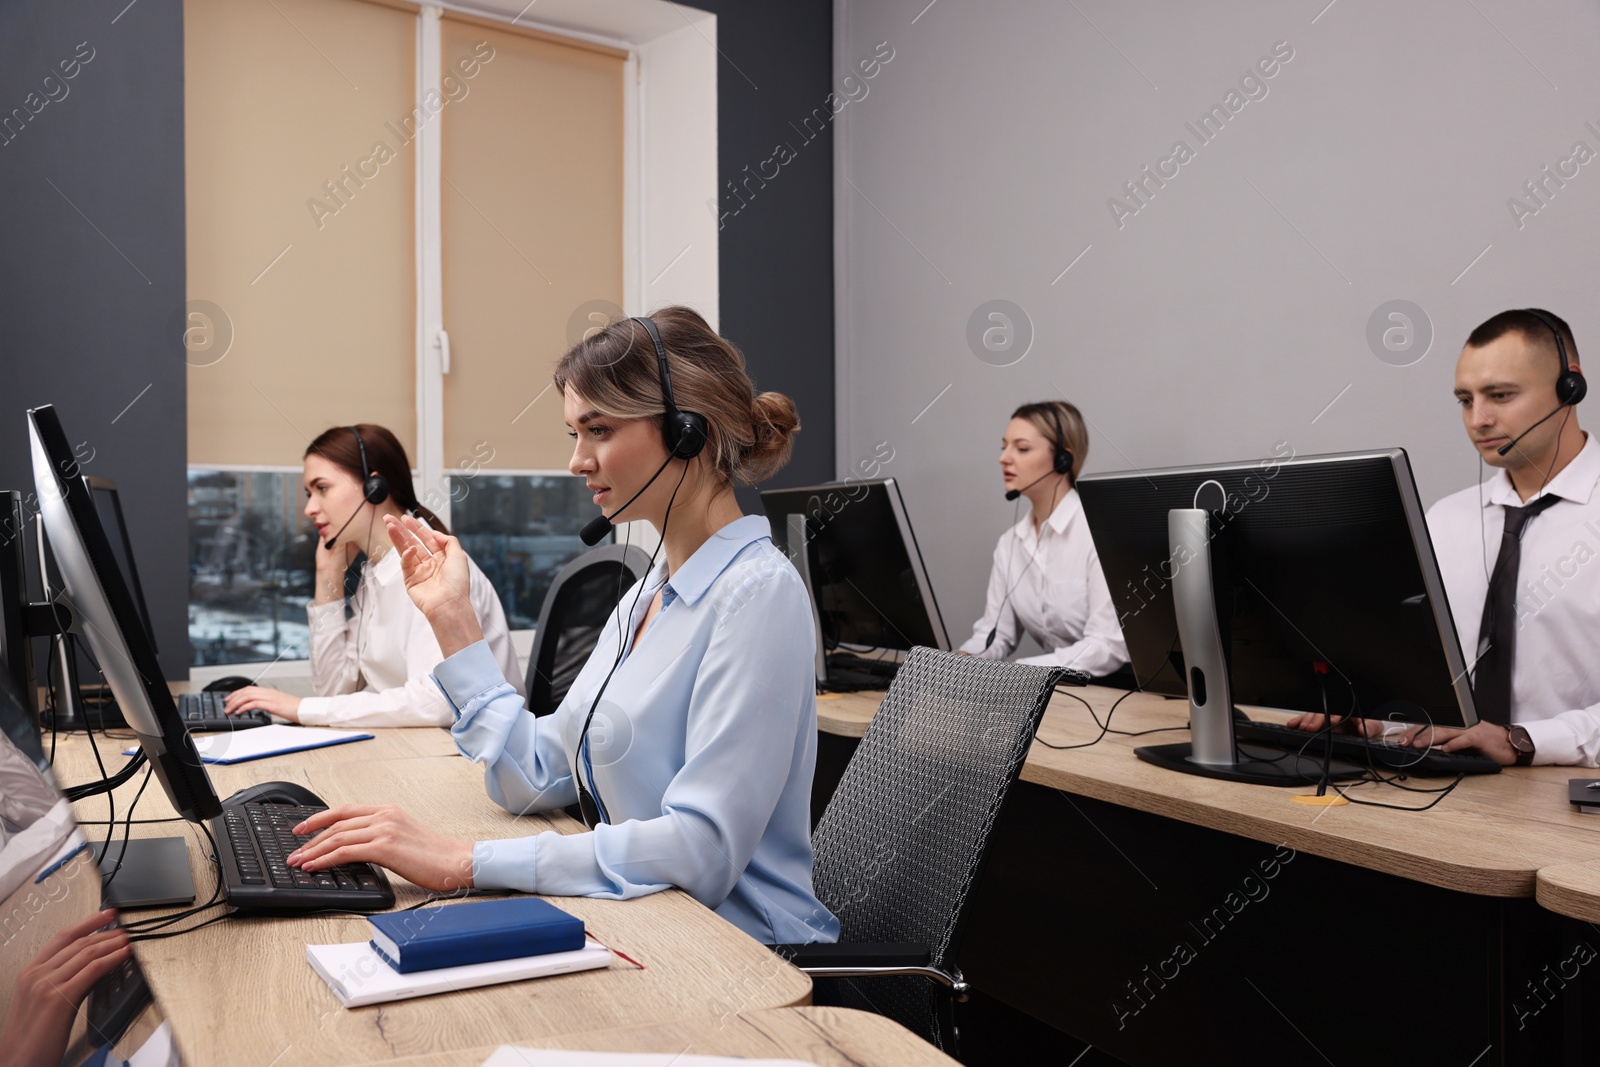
(571, 618)
(904, 838)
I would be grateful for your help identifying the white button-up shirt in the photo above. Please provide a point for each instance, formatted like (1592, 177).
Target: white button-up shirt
(1555, 675)
(372, 669)
(701, 751)
(1058, 595)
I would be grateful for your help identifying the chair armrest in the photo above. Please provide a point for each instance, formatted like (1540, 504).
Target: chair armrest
(867, 960)
(860, 954)
(1071, 676)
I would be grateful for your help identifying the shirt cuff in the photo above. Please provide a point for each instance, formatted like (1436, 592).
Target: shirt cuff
(1553, 742)
(507, 863)
(468, 674)
(313, 711)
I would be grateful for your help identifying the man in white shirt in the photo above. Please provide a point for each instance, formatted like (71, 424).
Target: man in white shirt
(1519, 552)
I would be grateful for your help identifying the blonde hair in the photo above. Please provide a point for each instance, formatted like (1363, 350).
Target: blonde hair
(1073, 434)
(749, 436)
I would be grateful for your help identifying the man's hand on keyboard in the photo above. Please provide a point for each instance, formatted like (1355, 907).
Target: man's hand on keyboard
(1486, 738)
(1312, 722)
(387, 836)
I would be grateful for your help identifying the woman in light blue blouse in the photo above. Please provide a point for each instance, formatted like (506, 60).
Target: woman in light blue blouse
(689, 738)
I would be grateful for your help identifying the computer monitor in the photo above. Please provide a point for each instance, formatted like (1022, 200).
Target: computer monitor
(1292, 582)
(868, 585)
(48, 883)
(16, 648)
(98, 595)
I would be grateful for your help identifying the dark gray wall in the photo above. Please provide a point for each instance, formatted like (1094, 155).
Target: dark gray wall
(777, 236)
(92, 265)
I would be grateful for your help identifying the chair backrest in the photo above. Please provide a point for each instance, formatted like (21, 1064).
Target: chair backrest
(571, 618)
(904, 837)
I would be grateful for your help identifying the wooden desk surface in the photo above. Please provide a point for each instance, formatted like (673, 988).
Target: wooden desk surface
(1490, 837)
(827, 1037)
(1571, 889)
(240, 991)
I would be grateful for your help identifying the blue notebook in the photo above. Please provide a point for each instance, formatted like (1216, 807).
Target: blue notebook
(453, 935)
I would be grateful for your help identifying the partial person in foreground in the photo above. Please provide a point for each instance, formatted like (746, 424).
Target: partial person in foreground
(1515, 551)
(370, 663)
(1046, 580)
(689, 738)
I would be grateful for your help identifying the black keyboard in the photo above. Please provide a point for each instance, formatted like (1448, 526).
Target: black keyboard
(1384, 756)
(253, 841)
(202, 713)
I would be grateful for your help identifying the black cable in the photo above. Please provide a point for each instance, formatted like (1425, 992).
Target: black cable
(187, 929)
(216, 893)
(624, 622)
(127, 829)
(1443, 792)
(1106, 727)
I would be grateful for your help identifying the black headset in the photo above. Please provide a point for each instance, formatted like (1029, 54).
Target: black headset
(685, 431)
(1064, 458)
(1571, 387)
(374, 487)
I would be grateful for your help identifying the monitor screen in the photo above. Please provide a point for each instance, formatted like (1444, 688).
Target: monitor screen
(108, 504)
(16, 650)
(97, 594)
(868, 582)
(1326, 561)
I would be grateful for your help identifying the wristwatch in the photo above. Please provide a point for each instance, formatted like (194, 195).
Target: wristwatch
(1521, 743)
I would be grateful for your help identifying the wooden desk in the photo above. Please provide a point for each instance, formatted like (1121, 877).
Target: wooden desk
(240, 992)
(827, 1037)
(1108, 865)
(1489, 837)
(1572, 889)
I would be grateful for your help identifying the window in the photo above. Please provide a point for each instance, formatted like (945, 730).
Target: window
(521, 530)
(396, 214)
(252, 557)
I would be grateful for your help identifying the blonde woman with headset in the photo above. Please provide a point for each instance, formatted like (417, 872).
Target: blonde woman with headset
(1046, 580)
(700, 693)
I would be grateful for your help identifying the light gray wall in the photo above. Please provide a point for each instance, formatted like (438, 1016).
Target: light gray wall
(1229, 312)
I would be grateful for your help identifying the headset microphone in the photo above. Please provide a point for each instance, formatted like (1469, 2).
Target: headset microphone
(329, 543)
(1012, 494)
(1509, 445)
(600, 525)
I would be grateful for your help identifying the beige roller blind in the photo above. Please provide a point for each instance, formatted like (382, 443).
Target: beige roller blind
(532, 220)
(300, 223)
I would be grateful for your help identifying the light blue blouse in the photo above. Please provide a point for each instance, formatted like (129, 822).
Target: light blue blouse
(702, 749)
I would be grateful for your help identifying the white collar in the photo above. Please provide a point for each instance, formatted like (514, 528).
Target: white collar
(1576, 482)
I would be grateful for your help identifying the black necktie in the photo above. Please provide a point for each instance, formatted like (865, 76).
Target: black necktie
(1497, 632)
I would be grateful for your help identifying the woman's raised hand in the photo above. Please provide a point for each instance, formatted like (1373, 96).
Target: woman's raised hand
(438, 580)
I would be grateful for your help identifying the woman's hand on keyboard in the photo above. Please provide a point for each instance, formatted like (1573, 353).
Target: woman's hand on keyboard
(271, 701)
(387, 836)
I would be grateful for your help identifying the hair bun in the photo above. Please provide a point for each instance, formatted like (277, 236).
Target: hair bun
(775, 422)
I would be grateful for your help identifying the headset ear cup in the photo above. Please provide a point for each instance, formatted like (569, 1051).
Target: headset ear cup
(375, 490)
(685, 432)
(1571, 387)
(1063, 461)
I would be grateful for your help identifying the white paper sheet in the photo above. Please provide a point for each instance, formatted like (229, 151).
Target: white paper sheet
(239, 746)
(359, 976)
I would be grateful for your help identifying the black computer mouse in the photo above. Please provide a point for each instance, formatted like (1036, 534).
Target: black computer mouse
(277, 793)
(229, 684)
